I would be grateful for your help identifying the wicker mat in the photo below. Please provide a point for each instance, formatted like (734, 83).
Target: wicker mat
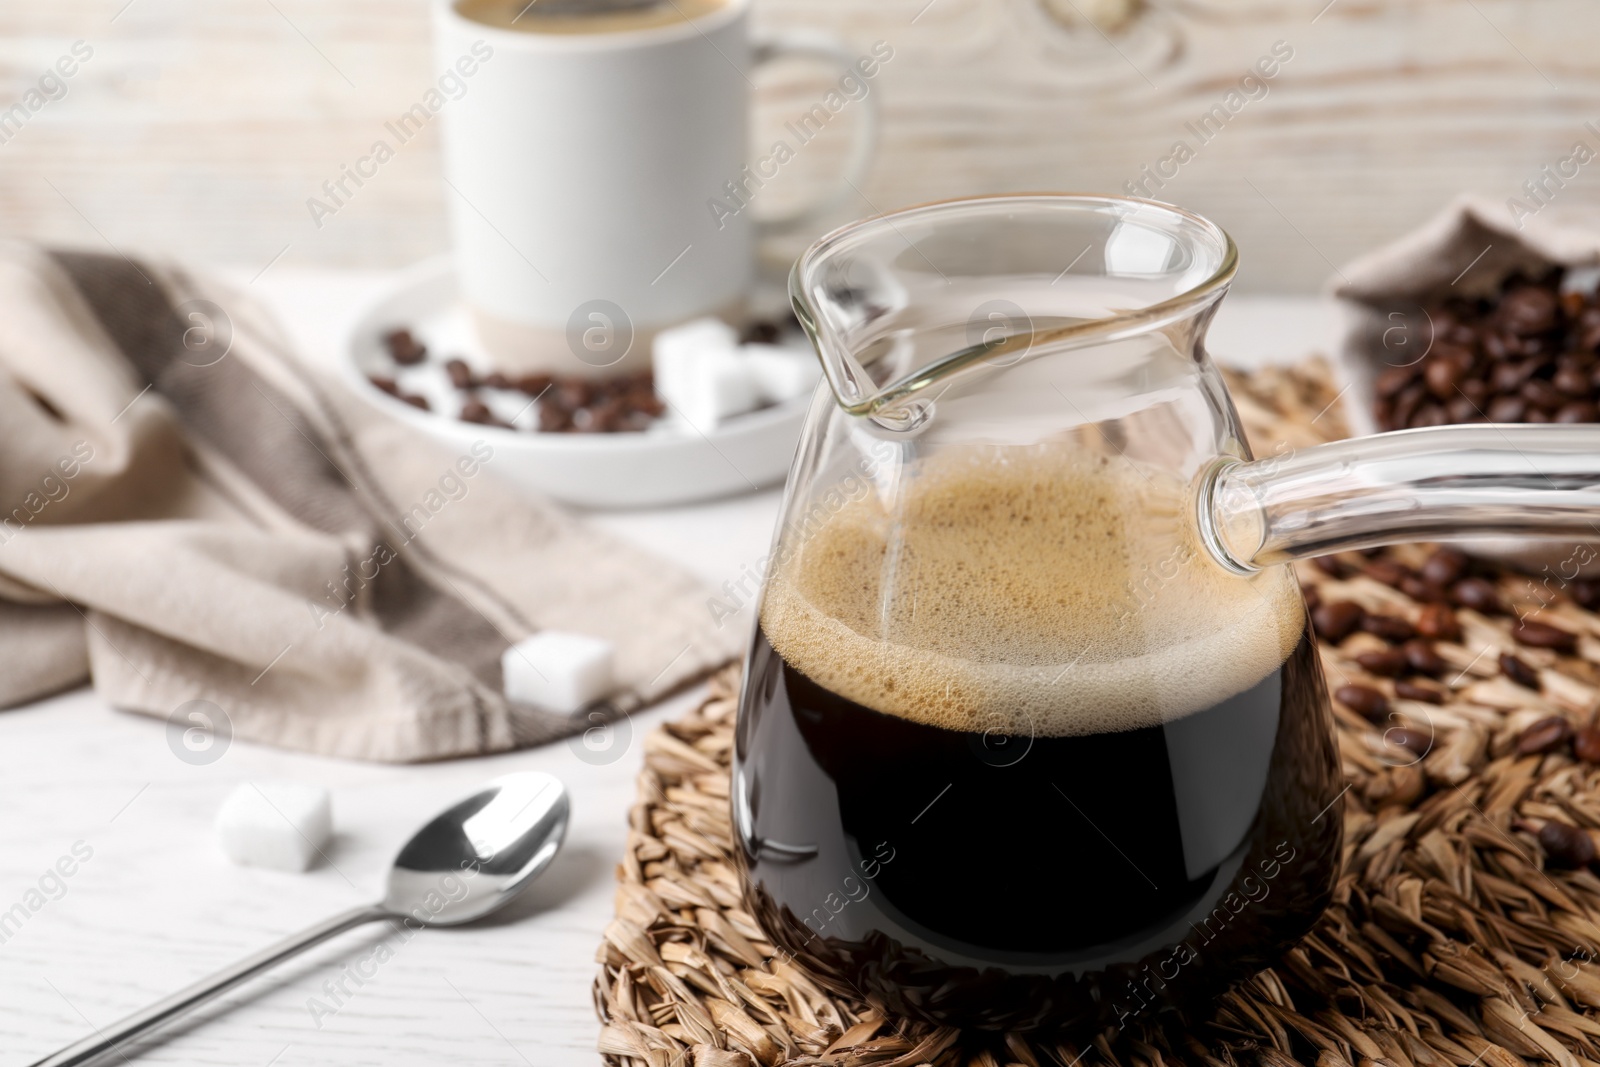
(1456, 937)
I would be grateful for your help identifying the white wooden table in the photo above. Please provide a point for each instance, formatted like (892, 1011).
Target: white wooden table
(156, 906)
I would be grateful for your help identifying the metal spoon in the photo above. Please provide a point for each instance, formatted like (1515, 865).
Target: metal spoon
(492, 845)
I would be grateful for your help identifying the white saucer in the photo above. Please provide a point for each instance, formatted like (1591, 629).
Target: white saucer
(672, 463)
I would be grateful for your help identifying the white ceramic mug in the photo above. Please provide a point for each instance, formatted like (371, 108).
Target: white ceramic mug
(598, 182)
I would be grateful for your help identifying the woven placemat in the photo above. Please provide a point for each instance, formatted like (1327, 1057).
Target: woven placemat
(1455, 936)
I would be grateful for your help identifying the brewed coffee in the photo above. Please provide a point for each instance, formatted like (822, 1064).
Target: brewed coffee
(1014, 753)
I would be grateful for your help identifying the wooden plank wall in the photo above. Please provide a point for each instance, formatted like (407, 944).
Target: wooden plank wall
(201, 127)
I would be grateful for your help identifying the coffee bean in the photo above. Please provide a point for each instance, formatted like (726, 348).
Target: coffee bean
(1422, 658)
(1572, 380)
(760, 331)
(1409, 690)
(1423, 592)
(1527, 310)
(554, 419)
(1336, 620)
(1578, 411)
(1566, 845)
(1461, 409)
(1364, 701)
(1387, 571)
(1437, 621)
(1535, 415)
(1445, 566)
(1394, 379)
(573, 393)
(460, 373)
(403, 348)
(1442, 376)
(1541, 394)
(1518, 671)
(1508, 376)
(1475, 390)
(1386, 662)
(386, 384)
(1586, 591)
(1586, 744)
(417, 401)
(1389, 627)
(496, 380)
(1429, 415)
(1507, 407)
(1541, 635)
(1415, 742)
(534, 384)
(1329, 565)
(475, 410)
(1479, 594)
(1546, 735)
(1406, 401)
(1572, 303)
(1313, 597)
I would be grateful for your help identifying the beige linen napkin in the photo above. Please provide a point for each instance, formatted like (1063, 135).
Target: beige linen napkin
(189, 512)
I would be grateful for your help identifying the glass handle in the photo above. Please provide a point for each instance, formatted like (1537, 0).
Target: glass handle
(1436, 484)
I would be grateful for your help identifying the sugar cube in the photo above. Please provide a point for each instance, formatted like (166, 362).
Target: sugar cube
(780, 373)
(282, 825)
(557, 671)
(699, 374)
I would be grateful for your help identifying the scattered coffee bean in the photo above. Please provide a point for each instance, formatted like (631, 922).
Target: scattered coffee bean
(1542, 635)
(1566, 845)
(1446, 566)
(1422, 658)
(1586, 744)
(1423, 591)
(1387, 662)
(1409, 690)
(1578, 411)
(1329, 565)
(1336, 620)
(1415, 742)
(1364, 701)
(1313, 597)
(474, 410)
(760, 331)
(1387, 571)
(1389, 627)
(417, 401)
(497, 380)
(1586, 591)
(403, 348)
(1546, 735)
(460, 375)
(1479, 594)
(1519, 671)
(534, 384)
(388, 385)
(1438, 622)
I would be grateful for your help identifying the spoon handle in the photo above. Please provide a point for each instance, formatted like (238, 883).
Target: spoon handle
(186, 1000)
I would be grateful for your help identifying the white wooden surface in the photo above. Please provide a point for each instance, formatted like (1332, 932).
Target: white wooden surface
(156, 906)
(202, 126)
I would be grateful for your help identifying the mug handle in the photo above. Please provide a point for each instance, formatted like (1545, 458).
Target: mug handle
(788, 43)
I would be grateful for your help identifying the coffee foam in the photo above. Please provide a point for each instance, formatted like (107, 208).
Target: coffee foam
(1035, 591)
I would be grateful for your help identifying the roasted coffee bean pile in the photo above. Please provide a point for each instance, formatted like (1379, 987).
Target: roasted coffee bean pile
(1527, 355)
(1443, 583)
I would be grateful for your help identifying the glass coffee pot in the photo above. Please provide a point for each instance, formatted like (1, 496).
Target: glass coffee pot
(1033, 732)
